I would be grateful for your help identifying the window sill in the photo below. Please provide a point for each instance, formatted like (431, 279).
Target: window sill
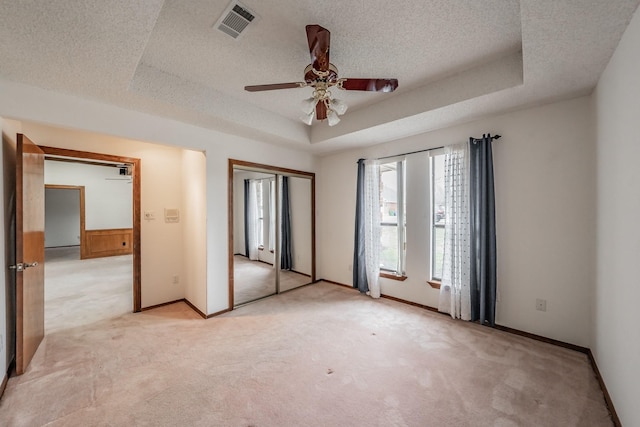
(434, 284)
(393, 277)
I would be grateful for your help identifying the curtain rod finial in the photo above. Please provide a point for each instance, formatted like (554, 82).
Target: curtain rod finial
(497, 136)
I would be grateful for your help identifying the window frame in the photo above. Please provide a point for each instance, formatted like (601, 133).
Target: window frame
(434, 280)
(399, 273)
(260, 210)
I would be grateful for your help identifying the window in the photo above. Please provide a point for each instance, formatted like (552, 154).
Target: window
(437, 216)
(266, 211)
(392, 217)
(272, 215)
(260, 203)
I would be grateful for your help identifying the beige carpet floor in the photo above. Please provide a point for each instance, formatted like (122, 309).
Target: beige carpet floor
(322, 355)
(254, 280)
(80, 292)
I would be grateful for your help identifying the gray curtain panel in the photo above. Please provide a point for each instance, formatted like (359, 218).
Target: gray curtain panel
(286, 262)
(483, 231)
(359, 269)
(246, 217)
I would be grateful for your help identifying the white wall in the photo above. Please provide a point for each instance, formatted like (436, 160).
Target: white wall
(544, 206)
(194, 221)
(300, 208)
(616, 340)
(108, 196)
(61, 217)
(29, 103)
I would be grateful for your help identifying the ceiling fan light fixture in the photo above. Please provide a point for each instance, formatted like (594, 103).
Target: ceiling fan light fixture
(339, 106)
(332, 118)
(307, 118)
(322, 76)
(309, 105)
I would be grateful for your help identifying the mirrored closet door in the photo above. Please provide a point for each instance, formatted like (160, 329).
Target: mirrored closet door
(295, 232)
(254, 237)
(271, 242)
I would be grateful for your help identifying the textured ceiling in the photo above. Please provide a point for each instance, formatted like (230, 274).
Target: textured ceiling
(455, 60)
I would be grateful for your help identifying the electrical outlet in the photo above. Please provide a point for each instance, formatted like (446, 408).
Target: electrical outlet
(149, 215)
(176, 279)
(541, 304)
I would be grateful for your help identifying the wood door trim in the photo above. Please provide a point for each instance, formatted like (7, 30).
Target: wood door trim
(137, 217)
(230, 231)
(313, 228)
(86, 162)
(258, 167)
(80, 188)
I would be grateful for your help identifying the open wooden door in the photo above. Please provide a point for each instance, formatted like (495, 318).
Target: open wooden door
(29, 251)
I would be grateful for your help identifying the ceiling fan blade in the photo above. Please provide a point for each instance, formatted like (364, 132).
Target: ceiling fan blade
(274, 86)
(321, 111)
(372, 85)
(318, 39)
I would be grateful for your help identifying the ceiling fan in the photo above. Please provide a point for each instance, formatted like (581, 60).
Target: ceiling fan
(321, 75)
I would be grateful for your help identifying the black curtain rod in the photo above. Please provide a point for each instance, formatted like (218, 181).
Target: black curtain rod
(434, 148)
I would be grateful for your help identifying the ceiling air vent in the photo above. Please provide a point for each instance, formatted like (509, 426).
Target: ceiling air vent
(235, 19)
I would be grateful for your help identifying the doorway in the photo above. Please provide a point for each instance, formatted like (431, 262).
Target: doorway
(88, 256)
(132, 166)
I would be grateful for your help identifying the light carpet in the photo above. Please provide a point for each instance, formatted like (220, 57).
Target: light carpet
(322, 355)
(254, 280)
(80, 292)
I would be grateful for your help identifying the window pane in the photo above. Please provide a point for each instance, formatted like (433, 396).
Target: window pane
(272, 215)
(389, 193)
(438, 190)
(392, 217)
(438, 216)
(438, 252)
(259, 201)
(389, 247)
(389, 217)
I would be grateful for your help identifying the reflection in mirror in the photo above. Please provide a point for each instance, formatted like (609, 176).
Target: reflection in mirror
(254, 223)
(272, 230)
(295, 232)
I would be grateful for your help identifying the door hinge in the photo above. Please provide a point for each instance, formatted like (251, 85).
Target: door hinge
(23, 266)
(17, 267)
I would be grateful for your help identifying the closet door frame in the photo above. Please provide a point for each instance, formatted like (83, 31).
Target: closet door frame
(258, 167)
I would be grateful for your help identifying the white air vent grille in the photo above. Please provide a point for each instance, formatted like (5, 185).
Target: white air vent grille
(235, 20)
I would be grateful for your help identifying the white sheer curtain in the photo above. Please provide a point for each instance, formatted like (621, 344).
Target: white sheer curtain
(455, 292)
(272, 216)
(372, 225)
(252, 220)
